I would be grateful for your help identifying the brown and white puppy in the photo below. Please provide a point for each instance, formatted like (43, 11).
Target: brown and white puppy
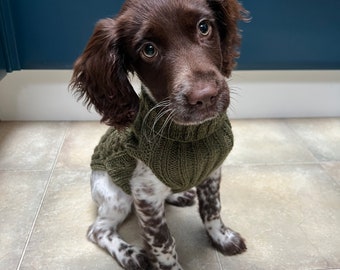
(182, 51)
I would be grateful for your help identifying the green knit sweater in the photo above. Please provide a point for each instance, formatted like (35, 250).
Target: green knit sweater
(181, 156)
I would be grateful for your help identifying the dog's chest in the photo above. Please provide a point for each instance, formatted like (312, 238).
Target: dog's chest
(180, 156)
(182, 165)
(180, 162)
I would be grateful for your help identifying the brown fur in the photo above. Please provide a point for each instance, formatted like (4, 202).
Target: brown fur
(101, 72)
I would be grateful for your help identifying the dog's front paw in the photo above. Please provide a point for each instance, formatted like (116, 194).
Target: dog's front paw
(182, 199)
(226, 240)
(133, 258)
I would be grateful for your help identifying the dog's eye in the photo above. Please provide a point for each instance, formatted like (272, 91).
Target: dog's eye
(149, 50)
(204, 27)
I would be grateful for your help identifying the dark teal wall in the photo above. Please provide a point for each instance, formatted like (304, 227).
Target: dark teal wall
(283, 34)
(51, 33)
(9, 59)
(291, 34)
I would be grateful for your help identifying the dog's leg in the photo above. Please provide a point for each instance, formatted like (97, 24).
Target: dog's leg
(182, 199)
(223, 238)
(113, 207)
(149, 199)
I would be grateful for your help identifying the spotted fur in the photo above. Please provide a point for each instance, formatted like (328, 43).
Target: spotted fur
(148, 197)
(182, 51)
(222, 238)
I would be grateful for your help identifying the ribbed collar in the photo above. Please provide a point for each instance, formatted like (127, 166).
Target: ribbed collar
(148, 113)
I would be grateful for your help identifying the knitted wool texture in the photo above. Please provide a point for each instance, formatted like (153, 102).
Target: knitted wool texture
(181, 156)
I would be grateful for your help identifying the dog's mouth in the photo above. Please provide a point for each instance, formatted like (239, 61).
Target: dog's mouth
(186, 113)
(198, 96)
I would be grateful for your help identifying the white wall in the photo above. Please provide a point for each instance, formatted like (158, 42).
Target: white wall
(43, 95)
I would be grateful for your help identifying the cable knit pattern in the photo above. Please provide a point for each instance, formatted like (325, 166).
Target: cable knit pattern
(180, 156)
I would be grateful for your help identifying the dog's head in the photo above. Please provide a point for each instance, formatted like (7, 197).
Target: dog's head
(181, 50)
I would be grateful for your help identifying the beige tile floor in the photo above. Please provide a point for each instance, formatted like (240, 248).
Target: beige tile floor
(281, 190)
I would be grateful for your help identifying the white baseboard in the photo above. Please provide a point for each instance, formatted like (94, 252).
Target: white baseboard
(43, 95)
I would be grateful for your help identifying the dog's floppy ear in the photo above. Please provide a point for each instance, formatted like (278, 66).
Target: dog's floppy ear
(228, 13)
(101, 77)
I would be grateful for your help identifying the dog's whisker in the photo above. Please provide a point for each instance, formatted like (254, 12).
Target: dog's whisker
(161, 105)
(168, 122)
(164, 110)
(158, 118)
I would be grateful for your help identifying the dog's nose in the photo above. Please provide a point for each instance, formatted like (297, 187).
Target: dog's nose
(203, 97)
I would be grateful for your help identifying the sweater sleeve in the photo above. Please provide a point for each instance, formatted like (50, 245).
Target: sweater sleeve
(111, 155)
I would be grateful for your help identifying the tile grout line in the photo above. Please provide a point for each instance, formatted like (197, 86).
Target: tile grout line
(301, 141)
(42, 199)
(218, 260)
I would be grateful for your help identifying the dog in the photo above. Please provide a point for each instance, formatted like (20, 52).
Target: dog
(167, 143)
